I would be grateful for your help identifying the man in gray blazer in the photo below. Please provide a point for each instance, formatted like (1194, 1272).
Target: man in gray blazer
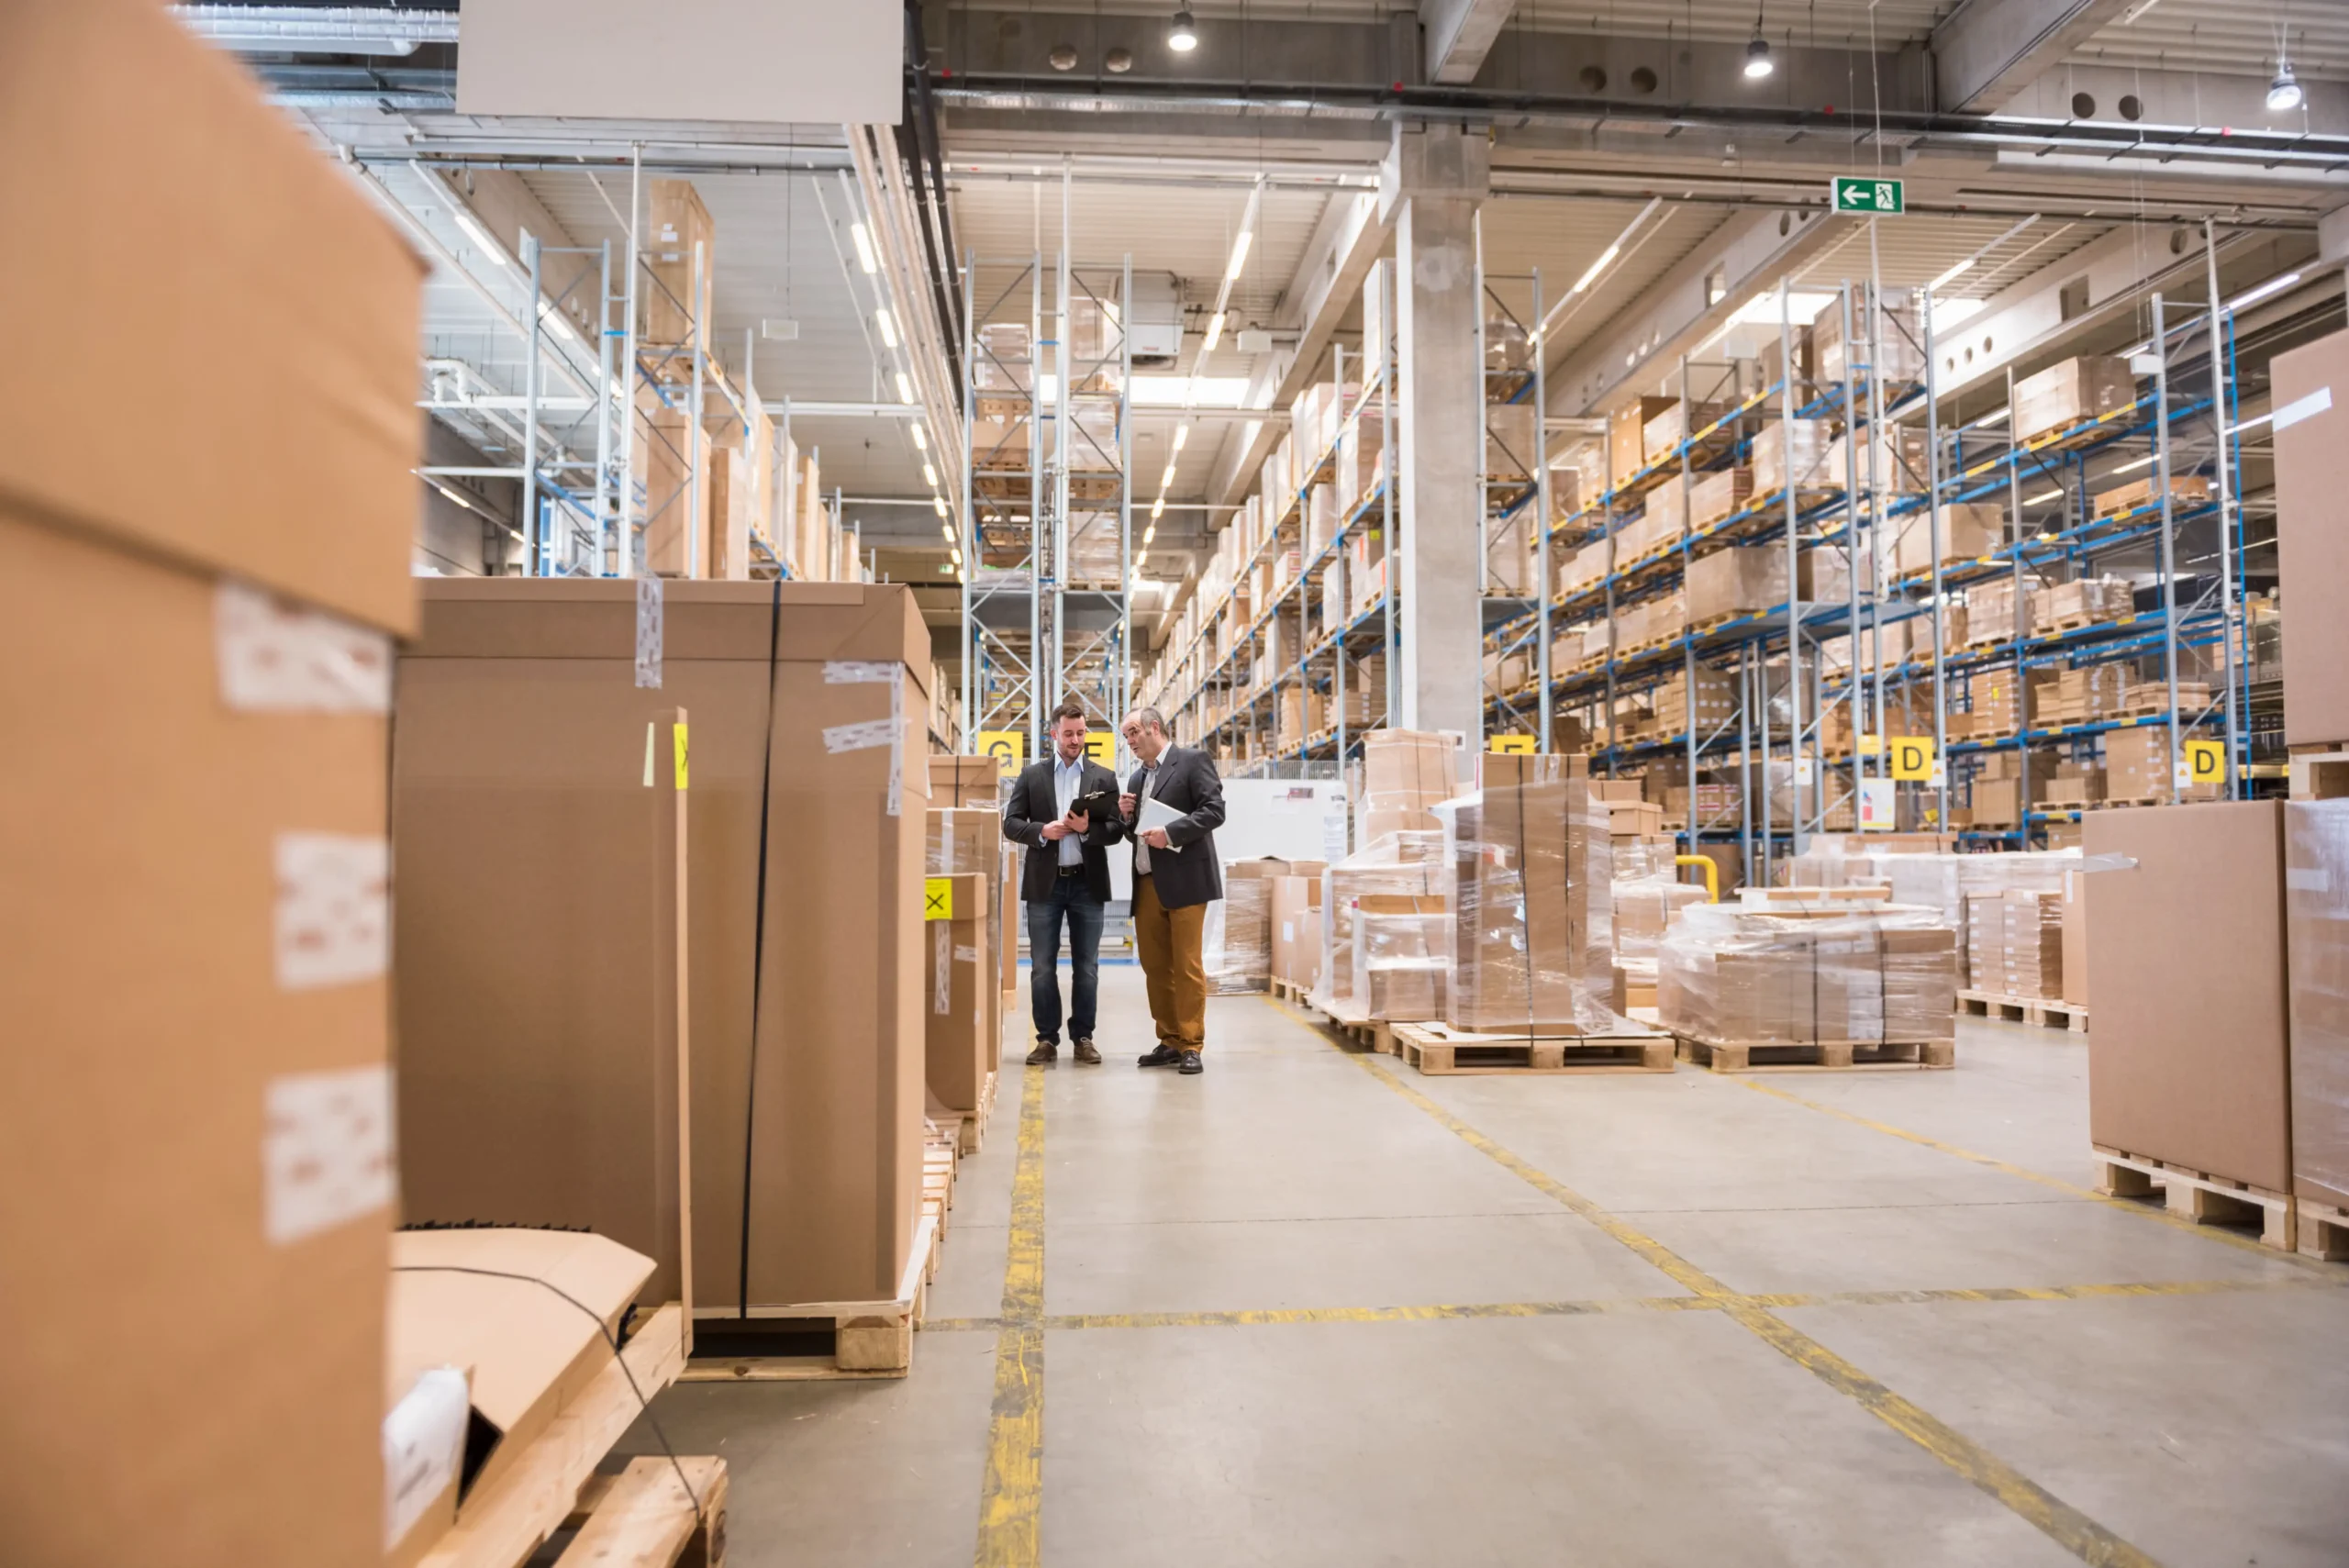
(1176, 876)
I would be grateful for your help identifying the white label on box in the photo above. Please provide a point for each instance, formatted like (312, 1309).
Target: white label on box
(1288, 930)
(2308, 879)
(2299, 408)
(861, 737)
(859, 672)
(424, 1444)
(333, 909)
(277, 657)
(648, 631)
(966, 955)
(942, 979)
(326, 1150)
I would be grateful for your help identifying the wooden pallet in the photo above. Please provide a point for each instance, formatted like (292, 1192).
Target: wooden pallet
(1438, 1053)
(1371, 1034)
(820, 1339)
(644, 1517)
(1766, 1056)
(1289, 991)
(504, 1523)
(2197, 1196)
(2323, 1230)
(970, 1127)
(2041, 1010)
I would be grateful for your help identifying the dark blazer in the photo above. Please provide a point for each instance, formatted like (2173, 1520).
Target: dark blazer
(1033, 804)
(1188, 782)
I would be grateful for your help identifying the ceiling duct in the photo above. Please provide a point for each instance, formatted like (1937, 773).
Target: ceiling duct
(317, 29)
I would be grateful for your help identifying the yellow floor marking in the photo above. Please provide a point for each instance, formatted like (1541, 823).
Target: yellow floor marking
(2243, 1243)
(2061, 1522)
(1010, 1498)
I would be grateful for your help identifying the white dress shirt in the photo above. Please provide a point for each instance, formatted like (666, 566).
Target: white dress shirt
(1068, 783)
(1148, 783)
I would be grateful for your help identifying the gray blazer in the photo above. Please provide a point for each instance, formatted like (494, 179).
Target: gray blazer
(1188, 782)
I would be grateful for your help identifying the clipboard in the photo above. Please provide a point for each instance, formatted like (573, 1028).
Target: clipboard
(1156, 813)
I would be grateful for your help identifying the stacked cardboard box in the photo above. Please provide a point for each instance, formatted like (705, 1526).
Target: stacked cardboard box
(1627, 436)
(2310, 389)
(197, 660)
(2081, 602)
(2140, 765)
(1995, 612)
(1897, 339)
(2072, 393)
(1793, 451)
(805, 738)
(2316, 861)
(1661, 435)
(2189, 1061)
(2185, 490)
(1735, 583)
(1297, 925)
(2015, 943)
(1790, 975)
(1405, 773)
(1898, 453)
(1715, 495)
(1969, 530)
(1238, 940)
(1947, 884)
(1403, 863)
(1401, 955)
(961, 994)
(1714, 704)
(1519, 859)
(966, 841)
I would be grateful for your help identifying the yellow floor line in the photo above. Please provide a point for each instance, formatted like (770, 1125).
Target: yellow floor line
(2127, 1206)
(1011, 1496)
(2065, 1525)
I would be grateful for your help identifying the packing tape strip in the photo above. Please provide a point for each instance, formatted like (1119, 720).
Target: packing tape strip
(648, 631)
(942, 978)
(2309, 408)
(861, 671)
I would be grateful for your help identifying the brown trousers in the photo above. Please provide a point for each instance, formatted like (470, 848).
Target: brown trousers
(1174, 966)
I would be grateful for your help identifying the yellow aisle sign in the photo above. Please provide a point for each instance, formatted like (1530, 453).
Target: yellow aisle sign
(1912, 757)
(937, 898)
(1510, 745)
(1101, 745)
(1008, 747)
(2206, 762)
(1871, 745)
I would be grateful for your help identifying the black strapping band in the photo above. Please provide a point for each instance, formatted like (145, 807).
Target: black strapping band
(759, 939)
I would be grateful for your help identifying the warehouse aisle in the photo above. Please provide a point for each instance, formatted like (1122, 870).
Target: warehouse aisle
(1311, 1309)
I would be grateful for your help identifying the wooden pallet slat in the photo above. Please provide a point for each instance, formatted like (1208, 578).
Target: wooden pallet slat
(1438, 1053)
(868, 1339)
(1837, 1056)
(2044, 1011)
(645, 1517)
(2197, 1196)
(2323, 1230)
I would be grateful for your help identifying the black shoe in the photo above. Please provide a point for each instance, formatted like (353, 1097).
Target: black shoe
(1087, 1054)
(1190, 1065)
(1165, 1056)
(1047, 1052)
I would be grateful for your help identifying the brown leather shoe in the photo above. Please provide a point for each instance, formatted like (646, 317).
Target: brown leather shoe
(1047, 1052)
(1087, 1054)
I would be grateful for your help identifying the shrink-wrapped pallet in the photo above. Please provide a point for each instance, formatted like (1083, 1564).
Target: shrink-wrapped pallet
(1755, 975)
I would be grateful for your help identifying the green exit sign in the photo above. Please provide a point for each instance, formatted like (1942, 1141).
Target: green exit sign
(1853, 194)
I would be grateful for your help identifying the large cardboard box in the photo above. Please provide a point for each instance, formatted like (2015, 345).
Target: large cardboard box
(1627, 436)
(196, 1142)
(806, 708)
(545, 1051)
(1296, 929)
(1517, 854)
(2188, 1060)
(957, 1010)
(1736, 582)
(2069, 393)
(676, 298)
(2316, 874)
(2311, 392)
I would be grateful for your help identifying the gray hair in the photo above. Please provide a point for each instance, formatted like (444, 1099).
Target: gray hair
(1152, 718)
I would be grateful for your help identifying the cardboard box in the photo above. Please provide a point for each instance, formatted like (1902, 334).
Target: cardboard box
(956, 1010)
(197, 1142)
(2071, 393)
(1517, 857)
(966, 843)
(1400, 955)
(2185, 489)
(1969, 530)
(2316, 875)
(2188, 1060)
(676, 223)
(1296, 929)
(2311, 392)
(2076, 937)
(1736, 582)
(1793, 451)
(830, 1125)
(1627, 436)
(545, 1053)
(976, 782)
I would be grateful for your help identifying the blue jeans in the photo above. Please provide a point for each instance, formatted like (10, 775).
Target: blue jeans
(1085, 915)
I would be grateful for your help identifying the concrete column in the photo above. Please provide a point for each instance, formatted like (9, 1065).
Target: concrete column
(1430, 188)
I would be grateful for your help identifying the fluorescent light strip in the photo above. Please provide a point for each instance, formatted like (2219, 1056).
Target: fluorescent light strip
(1239, 255)
(1182, 434)
(1953, 274)
(864, 257)
(921, 441)
(2145, 462)
(1215, 333)
(905, 387)
(880, 319)
(2272, 285)
(2042, 500)
(480, 236)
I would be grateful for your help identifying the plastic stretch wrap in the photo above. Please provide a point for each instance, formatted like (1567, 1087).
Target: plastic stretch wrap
(1527, 869)
(1945, 883)
(2014, 944)
(1236, 938)
(1735, 974)
(2316, 916)
(1404, 864)
(1402, 956)
(1405, 774)
(1644, 909)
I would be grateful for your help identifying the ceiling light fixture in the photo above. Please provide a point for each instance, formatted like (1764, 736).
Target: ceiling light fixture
(1215, 333)
(921, 441)
(2272, 285)
(2145, 462)
(939, 503)
(2284, 93)
(1182, 434)
(1167, 479)
(2042, 500)
(480, 236)
(1156, 507)
(905, 387)
(1952, 275)
(864, 256)
(1758, 63)
(1239, 255)
(888, 327)
(929, 476)
(1606, 260)
(1182, 33)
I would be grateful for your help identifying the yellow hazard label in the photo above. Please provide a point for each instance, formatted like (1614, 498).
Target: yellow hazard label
(680, 738)
(937, 898)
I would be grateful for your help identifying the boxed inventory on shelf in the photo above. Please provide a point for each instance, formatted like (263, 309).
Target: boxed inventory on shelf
(1735, 582)
(1296, 926)
(2310, 393)
(1715, 495)
(1627, 436)
(2189, 1062)
(2184, 490)
(1672, 425)
(2072, 393)
(1969, 530)
(1793, 452)
(809, 1036)
(196, 698)
(1897, 339)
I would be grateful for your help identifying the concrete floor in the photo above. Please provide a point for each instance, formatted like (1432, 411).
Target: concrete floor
(1312, 1307)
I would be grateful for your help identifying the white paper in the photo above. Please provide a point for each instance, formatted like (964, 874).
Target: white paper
(424, 1444)
(326, 1150)
(333, 916)
(277, 657)
(1158, 814)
